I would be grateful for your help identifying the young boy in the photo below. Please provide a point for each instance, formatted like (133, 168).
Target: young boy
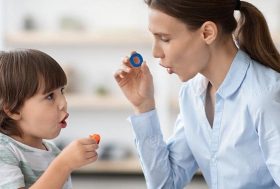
(32, 108)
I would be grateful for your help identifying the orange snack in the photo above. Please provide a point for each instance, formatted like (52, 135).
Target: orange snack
(95, 137)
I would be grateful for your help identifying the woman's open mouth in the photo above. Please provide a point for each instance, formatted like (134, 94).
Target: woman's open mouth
(169, 70)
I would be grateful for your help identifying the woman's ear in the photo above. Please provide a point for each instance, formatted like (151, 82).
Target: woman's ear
(13, 115)
(209, 32)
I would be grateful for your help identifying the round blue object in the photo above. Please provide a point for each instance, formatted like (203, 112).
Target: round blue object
(136, 59)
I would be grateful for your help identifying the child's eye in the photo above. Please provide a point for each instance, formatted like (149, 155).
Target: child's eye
(62, 90)
(50, 96)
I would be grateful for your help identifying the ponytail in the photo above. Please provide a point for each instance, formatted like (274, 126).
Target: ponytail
(254, 37)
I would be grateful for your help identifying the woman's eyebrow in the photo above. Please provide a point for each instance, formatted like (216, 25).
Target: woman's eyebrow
(161, 34)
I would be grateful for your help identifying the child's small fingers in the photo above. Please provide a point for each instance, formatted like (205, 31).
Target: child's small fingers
(91, 147)
(87, 141)
(91, 154)
(95, 137)
(92, 159)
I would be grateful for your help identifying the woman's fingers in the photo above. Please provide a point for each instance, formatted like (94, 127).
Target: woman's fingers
(123, 71)
(126, 62)
(120, 74)
(127, 68)
(144, 68)
(132, 52)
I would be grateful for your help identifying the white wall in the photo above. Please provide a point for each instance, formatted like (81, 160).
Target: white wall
(95, 14)
(109, 14)
(270, 9)
(1, 24)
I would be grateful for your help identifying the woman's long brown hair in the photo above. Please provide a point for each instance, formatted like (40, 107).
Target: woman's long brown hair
(252, 32)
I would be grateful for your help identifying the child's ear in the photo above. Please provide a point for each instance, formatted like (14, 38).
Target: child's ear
(13, 115)
(209, 32)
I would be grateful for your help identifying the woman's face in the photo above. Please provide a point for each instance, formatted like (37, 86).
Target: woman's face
(180, 50)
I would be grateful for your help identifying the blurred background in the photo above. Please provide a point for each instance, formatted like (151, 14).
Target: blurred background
(89, 38)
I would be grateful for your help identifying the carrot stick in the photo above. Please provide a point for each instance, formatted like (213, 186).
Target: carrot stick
(95, 137)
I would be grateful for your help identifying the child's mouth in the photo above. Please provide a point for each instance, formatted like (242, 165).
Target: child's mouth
(63, 123)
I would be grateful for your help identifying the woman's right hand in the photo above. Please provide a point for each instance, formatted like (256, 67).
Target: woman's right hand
(137, 85)
(79, 153)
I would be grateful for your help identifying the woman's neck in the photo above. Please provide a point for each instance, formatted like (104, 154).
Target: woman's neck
(221, 57)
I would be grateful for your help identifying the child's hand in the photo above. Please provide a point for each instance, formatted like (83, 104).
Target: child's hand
(95, 137)
(79, 153)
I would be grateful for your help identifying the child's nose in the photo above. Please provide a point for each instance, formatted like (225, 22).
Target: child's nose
(62, 103)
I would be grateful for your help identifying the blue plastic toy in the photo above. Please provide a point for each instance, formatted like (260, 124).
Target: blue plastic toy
(136, 59)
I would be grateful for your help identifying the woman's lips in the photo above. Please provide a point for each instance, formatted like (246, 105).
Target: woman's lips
(169, 70)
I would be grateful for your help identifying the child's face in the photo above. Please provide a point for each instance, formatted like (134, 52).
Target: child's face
(43, 115)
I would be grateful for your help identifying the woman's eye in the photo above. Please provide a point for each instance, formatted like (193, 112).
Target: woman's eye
(164, 39)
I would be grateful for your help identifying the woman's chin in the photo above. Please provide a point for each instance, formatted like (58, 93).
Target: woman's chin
(186, 78)
(183, 79)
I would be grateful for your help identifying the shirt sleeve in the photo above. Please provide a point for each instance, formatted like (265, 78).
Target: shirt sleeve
(165, 165)
(10, 173)
(268, 127)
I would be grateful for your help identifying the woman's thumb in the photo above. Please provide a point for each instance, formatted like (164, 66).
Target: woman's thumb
(145, 69)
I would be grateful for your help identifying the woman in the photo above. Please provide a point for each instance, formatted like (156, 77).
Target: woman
(228, 124)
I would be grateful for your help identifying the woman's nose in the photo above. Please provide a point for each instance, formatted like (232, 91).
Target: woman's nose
(157, 51)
